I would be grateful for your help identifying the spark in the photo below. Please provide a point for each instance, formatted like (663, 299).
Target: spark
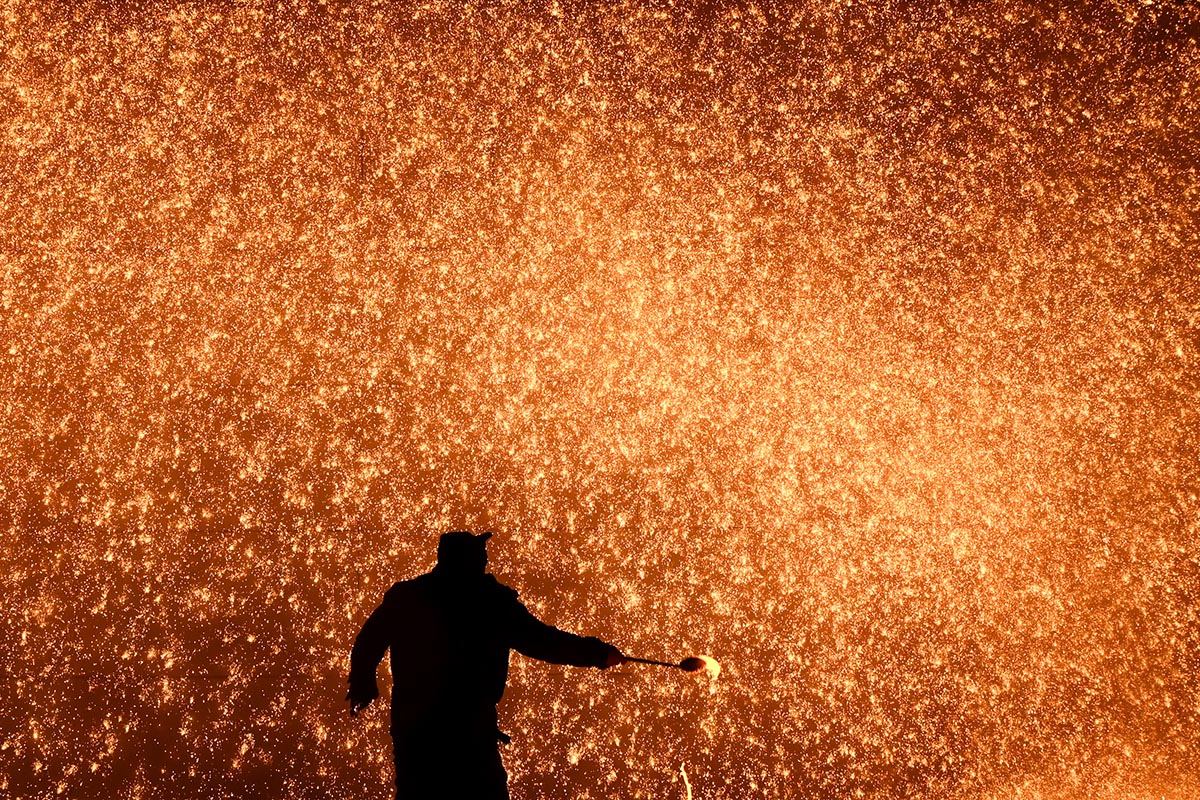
(852, 342)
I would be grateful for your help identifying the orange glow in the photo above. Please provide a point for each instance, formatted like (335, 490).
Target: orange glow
(711, 666)
(853, 343)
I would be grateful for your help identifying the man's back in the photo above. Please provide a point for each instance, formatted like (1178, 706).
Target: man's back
(449, 638)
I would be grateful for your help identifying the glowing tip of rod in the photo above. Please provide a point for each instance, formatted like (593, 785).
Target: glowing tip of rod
(697, 663)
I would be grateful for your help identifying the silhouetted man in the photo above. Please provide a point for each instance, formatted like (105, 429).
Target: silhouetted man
(450, 631)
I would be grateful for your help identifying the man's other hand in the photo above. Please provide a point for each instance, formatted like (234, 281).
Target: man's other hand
(361, 697)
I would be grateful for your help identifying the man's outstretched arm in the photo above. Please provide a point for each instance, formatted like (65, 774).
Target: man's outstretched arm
(536, 639)
(369, 647)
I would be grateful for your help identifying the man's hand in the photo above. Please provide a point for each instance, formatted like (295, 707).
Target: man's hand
(615, 658)
(360, 697)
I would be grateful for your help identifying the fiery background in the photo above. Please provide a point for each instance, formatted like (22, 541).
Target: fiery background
(855, 344)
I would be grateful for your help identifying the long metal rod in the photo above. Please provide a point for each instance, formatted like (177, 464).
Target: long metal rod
(652, 661)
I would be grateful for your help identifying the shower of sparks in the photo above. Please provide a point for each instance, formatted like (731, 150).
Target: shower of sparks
(855, 343)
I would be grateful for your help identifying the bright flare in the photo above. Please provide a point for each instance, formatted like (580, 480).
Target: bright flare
(711, 666)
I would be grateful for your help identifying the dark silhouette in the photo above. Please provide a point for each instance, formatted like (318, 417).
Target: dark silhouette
(450, 631)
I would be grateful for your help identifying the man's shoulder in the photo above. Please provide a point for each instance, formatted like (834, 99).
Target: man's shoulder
(408, 587)
(499, 590)
(432, 587)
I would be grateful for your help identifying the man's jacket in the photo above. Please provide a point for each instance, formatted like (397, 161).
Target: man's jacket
(450, 635)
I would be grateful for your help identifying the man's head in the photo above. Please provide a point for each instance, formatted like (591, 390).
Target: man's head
(463, 551)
